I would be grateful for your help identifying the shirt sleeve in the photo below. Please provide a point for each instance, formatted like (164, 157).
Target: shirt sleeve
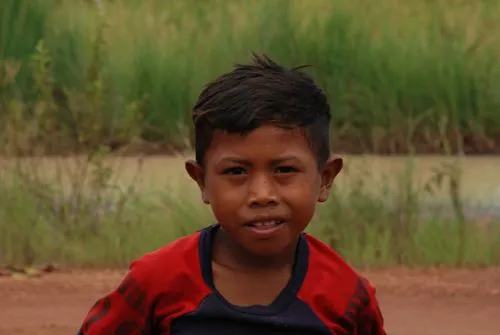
(123, 311)
(370, 320)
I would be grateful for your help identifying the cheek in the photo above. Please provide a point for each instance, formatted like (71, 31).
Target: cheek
(220, 190)
(223, 199)
(304, 189)
(225, 210)
(303, 197)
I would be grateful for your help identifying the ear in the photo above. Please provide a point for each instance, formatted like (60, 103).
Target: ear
(197, 173)
(328, 174)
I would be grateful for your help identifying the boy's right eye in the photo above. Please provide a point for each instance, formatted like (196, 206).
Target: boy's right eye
(234, 171)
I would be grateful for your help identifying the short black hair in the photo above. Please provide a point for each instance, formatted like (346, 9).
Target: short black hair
(259, 94)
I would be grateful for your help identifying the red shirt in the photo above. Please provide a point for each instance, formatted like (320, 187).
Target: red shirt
(171, 292)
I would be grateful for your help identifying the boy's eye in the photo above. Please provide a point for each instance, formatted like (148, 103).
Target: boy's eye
(286, 169)
(234, 171)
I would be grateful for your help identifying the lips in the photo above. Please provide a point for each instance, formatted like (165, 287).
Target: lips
(265, 227)
(264, 224)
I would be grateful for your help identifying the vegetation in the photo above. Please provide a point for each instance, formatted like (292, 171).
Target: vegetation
(395, 70)
(80, 211)
(85, 79)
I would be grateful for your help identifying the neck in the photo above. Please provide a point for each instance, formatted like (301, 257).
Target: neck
(229, 254)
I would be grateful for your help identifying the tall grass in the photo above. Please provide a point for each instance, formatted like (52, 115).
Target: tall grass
(84, 214)
(84, 80)
(394, 70)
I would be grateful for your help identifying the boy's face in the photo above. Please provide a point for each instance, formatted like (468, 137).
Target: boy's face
(263, 187)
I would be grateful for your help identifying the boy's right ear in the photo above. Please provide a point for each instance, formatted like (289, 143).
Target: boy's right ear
(197, 173)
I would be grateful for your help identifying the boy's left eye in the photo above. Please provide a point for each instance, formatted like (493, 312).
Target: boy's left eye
(286, 169)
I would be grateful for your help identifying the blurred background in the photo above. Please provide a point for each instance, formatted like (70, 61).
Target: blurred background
(95, 101)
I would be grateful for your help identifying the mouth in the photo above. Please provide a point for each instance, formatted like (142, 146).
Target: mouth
(265, 227)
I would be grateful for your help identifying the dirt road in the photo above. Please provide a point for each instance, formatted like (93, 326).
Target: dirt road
(432, 302)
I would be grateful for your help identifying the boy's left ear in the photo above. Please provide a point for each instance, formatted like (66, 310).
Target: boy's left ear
(329, 172)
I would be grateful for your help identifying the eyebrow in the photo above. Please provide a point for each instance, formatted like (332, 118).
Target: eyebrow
(248, 163)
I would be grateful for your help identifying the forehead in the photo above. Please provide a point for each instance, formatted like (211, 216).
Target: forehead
(265, 142)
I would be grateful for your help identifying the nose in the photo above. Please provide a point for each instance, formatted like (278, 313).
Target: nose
(261, 192)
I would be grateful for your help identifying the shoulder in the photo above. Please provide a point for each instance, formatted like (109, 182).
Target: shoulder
(326, 265)
(175, 266)
(163, 283)
(183, 252)
(333, 288)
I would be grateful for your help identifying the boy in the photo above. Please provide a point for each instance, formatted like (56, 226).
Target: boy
(262, 163)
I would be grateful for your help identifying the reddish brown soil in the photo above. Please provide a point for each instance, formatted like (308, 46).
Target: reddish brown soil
(431, 302)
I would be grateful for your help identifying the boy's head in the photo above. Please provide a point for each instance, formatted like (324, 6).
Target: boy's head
(263, 153)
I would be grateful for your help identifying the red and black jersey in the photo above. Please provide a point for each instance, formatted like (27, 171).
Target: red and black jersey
(171, 292)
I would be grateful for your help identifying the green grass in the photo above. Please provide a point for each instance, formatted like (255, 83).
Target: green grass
(400, 74)
(86, 216)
